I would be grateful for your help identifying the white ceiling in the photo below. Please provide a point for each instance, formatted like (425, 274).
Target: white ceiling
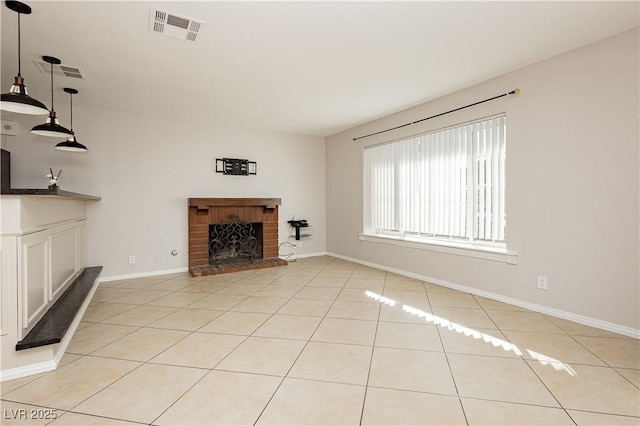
(312, 68)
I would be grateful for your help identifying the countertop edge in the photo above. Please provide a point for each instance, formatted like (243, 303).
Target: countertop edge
(49, 192)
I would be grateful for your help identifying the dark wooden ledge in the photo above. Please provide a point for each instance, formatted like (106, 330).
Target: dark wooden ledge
(206, 203)
(55, 323)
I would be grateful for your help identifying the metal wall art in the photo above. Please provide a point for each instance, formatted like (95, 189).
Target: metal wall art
(236, 166)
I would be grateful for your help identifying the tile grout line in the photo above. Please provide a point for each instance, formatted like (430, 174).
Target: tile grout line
(299, 354)
(105, 387)
(446, 356)
(521, 357)
(209, 369)
(148, 362)
(540, 379)
(373, 347)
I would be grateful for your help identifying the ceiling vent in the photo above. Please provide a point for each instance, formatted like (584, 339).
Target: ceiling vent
(60, 69)
(174, 25)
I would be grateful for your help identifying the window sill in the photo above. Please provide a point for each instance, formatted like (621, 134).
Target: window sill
(495, 254)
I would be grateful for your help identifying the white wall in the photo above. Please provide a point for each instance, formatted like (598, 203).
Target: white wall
(145, 168)
(572, 184)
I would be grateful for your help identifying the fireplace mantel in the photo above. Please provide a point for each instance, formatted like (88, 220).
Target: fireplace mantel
(204, 212)
(206, 203)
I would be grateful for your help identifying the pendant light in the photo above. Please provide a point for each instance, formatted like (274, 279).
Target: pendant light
(71, 144)
(17, 100)
(51, 127)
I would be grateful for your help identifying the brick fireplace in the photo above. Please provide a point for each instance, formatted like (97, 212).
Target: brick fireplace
(204, 212)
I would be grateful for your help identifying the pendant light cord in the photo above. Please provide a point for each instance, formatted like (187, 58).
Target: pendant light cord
(52, 109)
(71, 105)
(19, 61)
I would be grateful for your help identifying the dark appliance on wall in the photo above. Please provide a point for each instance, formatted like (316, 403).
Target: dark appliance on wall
(5, 168)
(297, 224)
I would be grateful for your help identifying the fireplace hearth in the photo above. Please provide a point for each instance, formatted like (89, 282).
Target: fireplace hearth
(232, 234)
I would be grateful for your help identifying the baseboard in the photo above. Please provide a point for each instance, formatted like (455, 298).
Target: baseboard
(143, 274)
(305, 255)
(581, 319)
(28, 370)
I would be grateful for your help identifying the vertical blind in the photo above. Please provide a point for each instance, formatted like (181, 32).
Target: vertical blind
(449, 183)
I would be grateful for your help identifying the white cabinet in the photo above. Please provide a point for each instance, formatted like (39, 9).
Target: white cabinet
(34, 279)
(43, 248)
(81, 235)
(49, 260)
(64, 259)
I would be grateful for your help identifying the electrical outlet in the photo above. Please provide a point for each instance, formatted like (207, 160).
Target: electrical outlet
(132, 259)
(542, 282)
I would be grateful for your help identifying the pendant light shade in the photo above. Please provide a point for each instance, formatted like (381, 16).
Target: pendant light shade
(17, 100)
(71, 144)
(51, 127)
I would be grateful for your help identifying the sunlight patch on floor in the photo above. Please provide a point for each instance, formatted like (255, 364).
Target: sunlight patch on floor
(379, 298)
(475, 334)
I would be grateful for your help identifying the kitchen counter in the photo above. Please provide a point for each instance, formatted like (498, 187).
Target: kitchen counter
(50, 192)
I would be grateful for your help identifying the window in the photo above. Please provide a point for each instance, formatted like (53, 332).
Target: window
(448, 184)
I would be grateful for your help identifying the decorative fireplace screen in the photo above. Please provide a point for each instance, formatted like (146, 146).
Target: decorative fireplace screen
(233, 241)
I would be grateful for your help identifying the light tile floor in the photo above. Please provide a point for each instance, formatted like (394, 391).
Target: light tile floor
(325, 341)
